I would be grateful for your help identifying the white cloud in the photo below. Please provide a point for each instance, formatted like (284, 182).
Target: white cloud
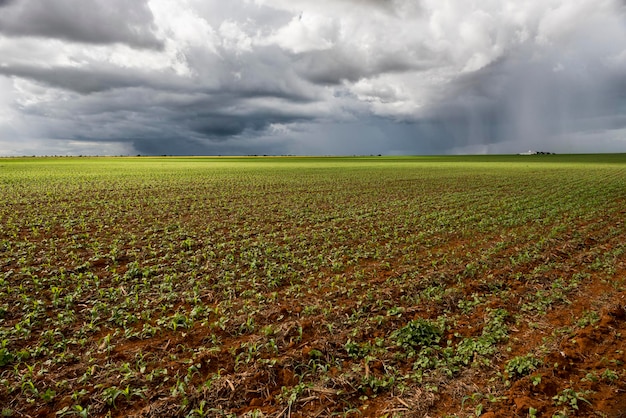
(307, 32)
(234, 38)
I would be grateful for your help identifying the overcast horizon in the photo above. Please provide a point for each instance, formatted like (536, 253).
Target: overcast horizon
(304, 77)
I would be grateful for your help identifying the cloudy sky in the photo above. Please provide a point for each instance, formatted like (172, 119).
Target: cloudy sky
(317, 77)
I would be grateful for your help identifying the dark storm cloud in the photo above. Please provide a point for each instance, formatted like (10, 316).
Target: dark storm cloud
(168, 122)
(523, 100)
(87, 21)
(213, 132)
(220, 126)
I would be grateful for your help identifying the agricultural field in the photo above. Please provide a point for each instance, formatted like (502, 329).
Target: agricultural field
(313, 287)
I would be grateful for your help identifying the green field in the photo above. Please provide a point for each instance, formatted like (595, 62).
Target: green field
(305, 286)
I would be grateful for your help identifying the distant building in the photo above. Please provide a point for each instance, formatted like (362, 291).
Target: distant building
(530, 152)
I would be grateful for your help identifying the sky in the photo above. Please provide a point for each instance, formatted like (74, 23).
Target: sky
(311, 77)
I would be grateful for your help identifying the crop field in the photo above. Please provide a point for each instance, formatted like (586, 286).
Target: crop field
(313, 287)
